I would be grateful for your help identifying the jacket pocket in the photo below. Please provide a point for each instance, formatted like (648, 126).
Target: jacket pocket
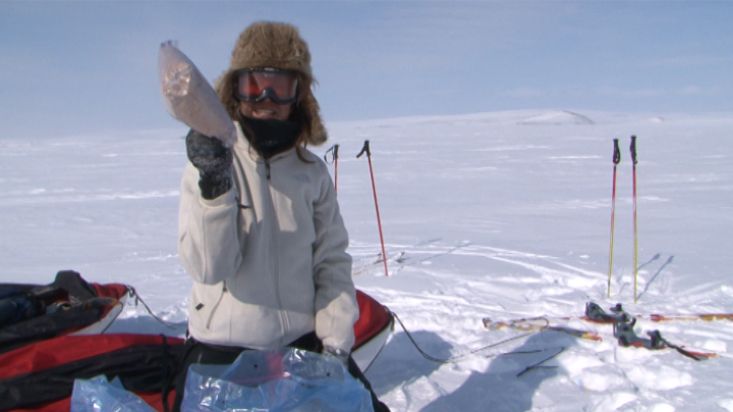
(205, 303)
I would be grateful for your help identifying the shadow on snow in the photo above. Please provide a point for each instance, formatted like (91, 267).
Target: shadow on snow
(509, 383)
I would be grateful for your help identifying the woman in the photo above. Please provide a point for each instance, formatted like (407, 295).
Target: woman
(260, 230)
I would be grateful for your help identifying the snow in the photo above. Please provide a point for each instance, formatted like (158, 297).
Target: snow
(502, 215)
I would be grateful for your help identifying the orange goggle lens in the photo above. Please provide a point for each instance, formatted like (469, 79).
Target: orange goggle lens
(258, 84)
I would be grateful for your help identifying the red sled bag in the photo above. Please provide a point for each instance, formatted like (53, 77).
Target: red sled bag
(371, 331)
(40, 377)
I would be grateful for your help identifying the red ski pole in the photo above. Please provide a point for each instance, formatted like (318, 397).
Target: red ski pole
(632, 148)
(616, 160)
(368, 152)
(334, 151)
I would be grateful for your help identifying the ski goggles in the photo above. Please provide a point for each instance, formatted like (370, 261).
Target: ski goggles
(256, 85)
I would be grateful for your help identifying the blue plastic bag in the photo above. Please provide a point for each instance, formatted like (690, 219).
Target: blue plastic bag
(275, 381)
(97, 395)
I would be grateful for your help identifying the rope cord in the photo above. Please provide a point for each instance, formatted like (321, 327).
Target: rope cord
(138, 299)
(454, 359)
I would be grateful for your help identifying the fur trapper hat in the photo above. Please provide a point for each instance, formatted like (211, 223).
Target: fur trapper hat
(277, 45)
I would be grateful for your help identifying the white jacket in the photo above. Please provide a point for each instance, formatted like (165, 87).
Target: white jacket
(268, 258)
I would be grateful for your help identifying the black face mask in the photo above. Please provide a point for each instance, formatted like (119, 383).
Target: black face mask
(270, 137)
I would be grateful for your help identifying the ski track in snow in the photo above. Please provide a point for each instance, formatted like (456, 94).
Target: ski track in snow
(40, 196)
(502, 215)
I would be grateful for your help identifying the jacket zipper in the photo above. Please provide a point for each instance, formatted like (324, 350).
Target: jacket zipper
(283, 318)
(284, 324)
(216, 305)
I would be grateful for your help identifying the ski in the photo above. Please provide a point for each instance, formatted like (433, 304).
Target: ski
(624, 332)
(398, 257)
(618, 311)
(623, 329)
(707, 317)
(364, 265)
(595, 314)
(539, 325)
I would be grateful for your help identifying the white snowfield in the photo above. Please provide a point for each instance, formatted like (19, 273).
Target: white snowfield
(502, 215)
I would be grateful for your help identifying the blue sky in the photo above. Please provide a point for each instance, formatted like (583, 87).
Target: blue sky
(86, 67)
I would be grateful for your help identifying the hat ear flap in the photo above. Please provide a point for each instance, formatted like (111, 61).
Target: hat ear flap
(225, 89)
(316, 135)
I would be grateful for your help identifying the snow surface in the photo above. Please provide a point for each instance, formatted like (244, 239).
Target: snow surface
(499, 215)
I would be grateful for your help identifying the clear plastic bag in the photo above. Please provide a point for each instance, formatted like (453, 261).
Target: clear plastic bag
(277, 381)
(97, 395)
(190, 98)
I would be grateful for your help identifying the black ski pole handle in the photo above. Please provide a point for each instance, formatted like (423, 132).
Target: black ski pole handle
(616, 152)
(632, 148)
(334, 151)
(365, 149)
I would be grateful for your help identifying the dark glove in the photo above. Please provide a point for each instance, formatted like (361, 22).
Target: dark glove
(214, 162)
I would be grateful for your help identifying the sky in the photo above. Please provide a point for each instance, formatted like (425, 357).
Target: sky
(85, 67)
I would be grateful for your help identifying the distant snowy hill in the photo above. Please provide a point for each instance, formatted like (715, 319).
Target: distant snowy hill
(502, 215)
(564, 117)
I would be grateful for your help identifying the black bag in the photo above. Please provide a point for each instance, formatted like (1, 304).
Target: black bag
(29, 313)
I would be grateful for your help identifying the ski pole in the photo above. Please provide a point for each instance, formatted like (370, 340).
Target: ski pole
(616, 160)
(632, 148)
(366, 149)
(334, 151)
